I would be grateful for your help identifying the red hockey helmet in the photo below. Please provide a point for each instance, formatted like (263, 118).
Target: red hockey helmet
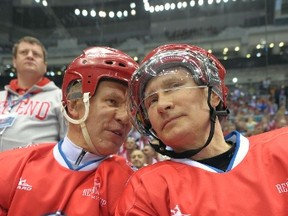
(204, 67)
(95, 63)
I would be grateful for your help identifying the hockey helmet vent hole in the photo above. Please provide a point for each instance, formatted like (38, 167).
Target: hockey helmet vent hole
(122, 65)
(109, 62)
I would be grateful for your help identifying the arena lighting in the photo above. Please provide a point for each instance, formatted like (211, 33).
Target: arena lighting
(133, 12)
(167, 6)
(77, 12)
(271, 45)
(50, 73)
(111, 14)
(9, 70)
(201, 2)
(132, 5)
(125, 13)
(44, 2)
(281, 44)
(235, 80)
(192, 3)
(105, 13)
(119, 14)
(93, 13)
(225, 50)
(158, 8)
(180, 5)
(259, 46)
(102, 14)
(173, 6)
(84, 13)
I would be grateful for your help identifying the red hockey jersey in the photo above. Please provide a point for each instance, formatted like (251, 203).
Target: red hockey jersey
(33, 182)
(255, 183)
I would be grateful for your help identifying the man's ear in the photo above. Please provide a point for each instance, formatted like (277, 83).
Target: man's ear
(73, 108)
(14, 62)
(215, 100)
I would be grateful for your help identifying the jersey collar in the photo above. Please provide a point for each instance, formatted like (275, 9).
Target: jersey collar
(72, 157)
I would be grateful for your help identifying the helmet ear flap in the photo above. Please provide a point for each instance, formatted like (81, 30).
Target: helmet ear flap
(221, 73)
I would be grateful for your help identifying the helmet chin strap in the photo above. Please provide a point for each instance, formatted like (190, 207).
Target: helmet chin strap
(81, 121)
(161, 148)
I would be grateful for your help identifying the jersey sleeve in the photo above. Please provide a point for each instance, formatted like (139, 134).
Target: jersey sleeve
(10, 167)
(12, 164)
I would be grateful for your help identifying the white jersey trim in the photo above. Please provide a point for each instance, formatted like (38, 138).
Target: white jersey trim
(241, 150)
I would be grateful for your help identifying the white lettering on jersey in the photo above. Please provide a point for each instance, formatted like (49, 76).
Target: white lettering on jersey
(94, 192)
(38, 109)
(23, 185)
(177, 212)
(282, 187)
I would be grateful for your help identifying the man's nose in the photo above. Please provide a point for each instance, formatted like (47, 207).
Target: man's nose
(122, 114)
(164, 103)
(30, 54)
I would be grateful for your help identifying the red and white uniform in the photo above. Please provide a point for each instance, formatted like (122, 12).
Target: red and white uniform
(42, 180)
(255, 183)
(38, 116)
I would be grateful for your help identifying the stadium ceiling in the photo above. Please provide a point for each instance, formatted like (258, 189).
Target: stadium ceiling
(106, 20)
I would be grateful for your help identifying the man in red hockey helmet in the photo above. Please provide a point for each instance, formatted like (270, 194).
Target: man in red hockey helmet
(80, 175)
(178, 96)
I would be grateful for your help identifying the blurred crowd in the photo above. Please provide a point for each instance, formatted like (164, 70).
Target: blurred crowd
(257, 109)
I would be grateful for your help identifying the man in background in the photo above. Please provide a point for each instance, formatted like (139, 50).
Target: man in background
(30, 110)
(138, 158)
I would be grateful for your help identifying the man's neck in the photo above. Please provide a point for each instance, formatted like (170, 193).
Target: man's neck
(28, 82)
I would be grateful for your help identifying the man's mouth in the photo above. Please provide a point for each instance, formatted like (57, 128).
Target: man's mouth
(168, 121)
(117, 132)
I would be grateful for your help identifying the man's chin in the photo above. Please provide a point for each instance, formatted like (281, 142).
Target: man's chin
(110, 148)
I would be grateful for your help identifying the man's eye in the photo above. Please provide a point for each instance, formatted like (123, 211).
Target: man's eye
(150, 100)
(24, 52)
(112, 102)
(172, 87)
(37, 55)
(175, 85)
